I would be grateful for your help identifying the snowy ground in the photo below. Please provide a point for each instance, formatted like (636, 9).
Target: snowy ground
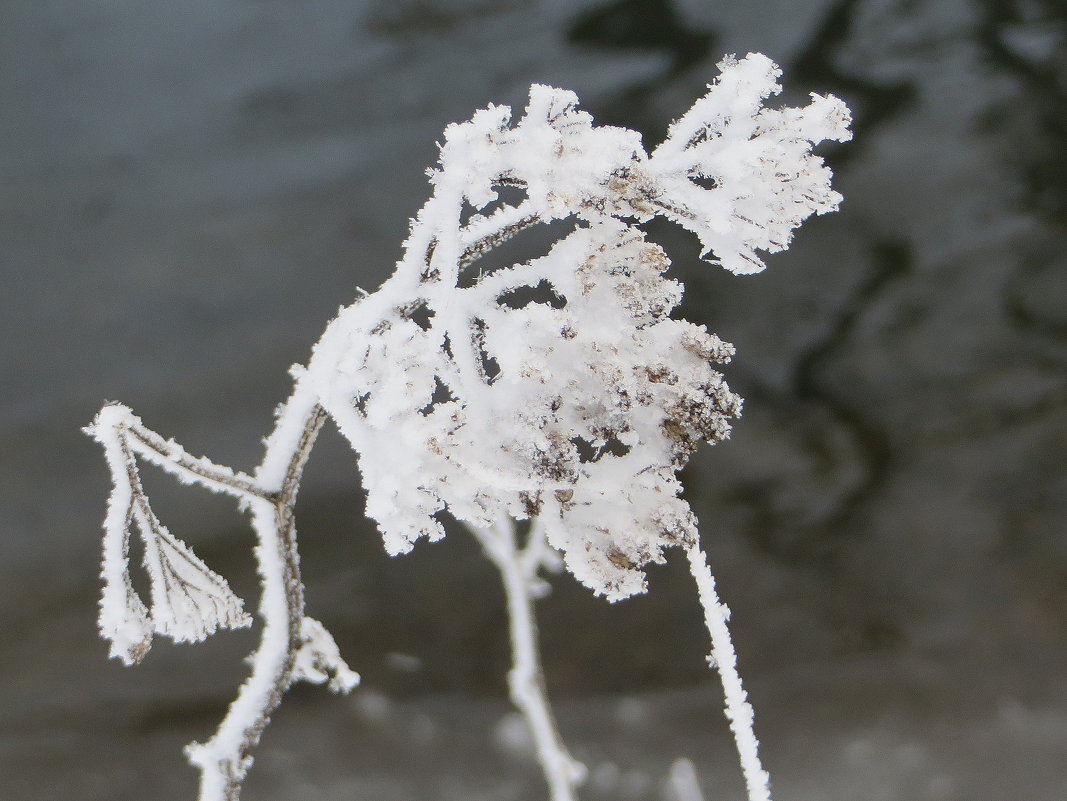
(187, 193)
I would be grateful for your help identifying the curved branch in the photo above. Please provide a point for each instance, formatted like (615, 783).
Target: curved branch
(226, 757)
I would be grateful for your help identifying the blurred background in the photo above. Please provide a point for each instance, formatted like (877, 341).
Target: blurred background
(189, 190)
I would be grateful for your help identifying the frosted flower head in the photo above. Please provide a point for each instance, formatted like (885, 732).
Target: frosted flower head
(561, 387)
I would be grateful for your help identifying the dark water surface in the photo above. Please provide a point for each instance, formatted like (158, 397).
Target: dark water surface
(189, 190)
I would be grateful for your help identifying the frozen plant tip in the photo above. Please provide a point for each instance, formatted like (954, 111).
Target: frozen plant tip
(558, 391)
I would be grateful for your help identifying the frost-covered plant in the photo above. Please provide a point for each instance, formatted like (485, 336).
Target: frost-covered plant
(558, 391)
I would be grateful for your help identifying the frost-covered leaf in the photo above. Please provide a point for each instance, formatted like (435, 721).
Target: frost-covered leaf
(765, 179)
(189, 600)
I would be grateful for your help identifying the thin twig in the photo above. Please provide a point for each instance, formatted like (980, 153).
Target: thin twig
(495, 238)
(724, 658)
(526, 677)
(225, 758)
(174, 459)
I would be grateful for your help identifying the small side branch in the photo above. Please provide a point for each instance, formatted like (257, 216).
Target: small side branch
(526, 678)
(119, 422)
(724, 658)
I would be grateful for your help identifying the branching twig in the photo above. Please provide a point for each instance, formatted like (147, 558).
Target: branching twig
(225, 758)
(526, 678)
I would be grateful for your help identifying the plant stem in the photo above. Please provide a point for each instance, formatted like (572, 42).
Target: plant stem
(225, 758)
(526, 677)
(724, 658)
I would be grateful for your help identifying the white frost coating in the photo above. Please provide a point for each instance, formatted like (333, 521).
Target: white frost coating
(724, 657)
(559, 391)
(116, 420)
(124, 619)
(289, 429)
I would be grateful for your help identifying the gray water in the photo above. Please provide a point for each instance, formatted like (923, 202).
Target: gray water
(189, 190)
